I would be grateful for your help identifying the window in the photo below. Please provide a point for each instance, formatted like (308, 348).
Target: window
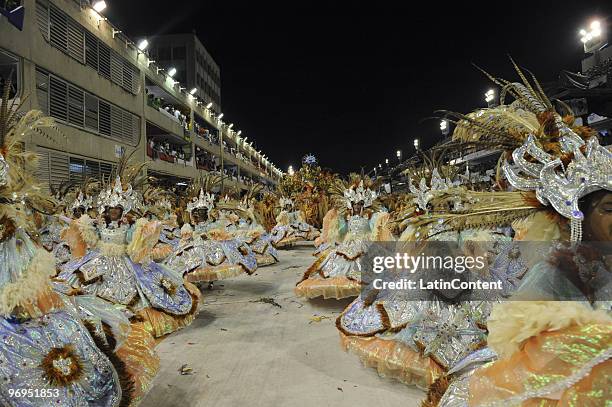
(116, 68)
(104, 120)
(76, 169)
(104, 58)
(91, 112)
(68, 36)
(42, 91)
(91, 51)
(9, 69)
(42, 18)
(58, 29)
(56, 168)
(58, 99)
(74, 106)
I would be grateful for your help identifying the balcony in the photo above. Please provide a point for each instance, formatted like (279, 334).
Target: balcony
(166, 121)
(168, 152)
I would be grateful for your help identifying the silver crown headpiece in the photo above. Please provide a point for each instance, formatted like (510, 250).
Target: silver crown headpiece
(203, 201)
(423, 194)
(360, 194)
(82, 202)
(164, 203)
(116, 196)
(557, 185)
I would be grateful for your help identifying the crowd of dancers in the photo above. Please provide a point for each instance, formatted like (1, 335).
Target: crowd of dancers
(96, 273)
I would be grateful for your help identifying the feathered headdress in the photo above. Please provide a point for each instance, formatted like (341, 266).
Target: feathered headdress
(507, 126)
(549, 156)
(77, 194)
(424, 193)
(357, 189)
(115, 196)
(558, 185)
(82, 202)
(157, 198)
(122, 192)
(285, 202)
(18, 186)
(203, 201)
(247, 200)
(359, 194)
(200, 192)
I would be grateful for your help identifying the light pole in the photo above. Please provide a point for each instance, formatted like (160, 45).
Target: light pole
(594, 40)
(221, 152)
(444, 127)
(290, 170)
(490, 98)
(398, 153)
(416, 144)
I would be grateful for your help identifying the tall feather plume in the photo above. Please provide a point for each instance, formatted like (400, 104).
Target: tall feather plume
(519, 91)
(523, 78)
(23, 188)
(206, 182)
(130, 172)
(502, 83)
(540, 91)
(254, 191)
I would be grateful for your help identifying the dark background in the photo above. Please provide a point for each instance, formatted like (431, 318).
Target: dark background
(352, 82)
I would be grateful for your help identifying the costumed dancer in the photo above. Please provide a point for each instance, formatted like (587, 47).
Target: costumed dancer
(291, 226)
(160, 207)
(44, 347)
(207, 252)
(252, 232)
(112, 260)
(416, 337)
(337, 273)
(332, 233)
(554, 352)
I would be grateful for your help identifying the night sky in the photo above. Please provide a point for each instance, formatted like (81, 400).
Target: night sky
(352, 82)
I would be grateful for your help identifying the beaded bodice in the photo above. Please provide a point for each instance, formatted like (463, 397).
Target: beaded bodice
(358, 225)
(114, 233)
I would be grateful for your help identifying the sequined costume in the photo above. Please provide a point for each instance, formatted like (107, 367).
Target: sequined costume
(548, 353)
(169, 239)
(208, 253)
(336, 273)
(51, 239)
(414, 341)
(291, 227)
(47, 355)
(255, 236)
(334, 229)
(56, 358)
(160, 206)
(121, 274)
(417, 340)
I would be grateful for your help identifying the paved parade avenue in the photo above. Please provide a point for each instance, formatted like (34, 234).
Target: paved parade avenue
(243, 350)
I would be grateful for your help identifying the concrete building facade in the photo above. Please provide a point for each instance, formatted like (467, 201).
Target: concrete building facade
(109, 99)
(193, 63)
